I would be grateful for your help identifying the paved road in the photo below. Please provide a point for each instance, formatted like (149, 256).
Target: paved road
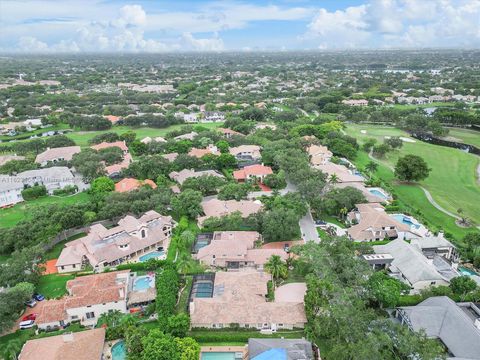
(307, 226)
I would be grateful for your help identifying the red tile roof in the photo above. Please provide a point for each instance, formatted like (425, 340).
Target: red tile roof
(129, 184)
(104, 145)
(252, 170)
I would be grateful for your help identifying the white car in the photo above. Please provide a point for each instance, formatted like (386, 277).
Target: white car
(27, 324)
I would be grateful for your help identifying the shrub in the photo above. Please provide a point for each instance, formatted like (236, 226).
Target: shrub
(67, 190)
(34, 192)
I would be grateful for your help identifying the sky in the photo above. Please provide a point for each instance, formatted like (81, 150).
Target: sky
(56, 26)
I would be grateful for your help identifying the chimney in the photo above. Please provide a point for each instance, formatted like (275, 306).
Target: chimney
(67, 337)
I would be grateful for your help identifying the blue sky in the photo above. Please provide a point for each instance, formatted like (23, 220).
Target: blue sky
(247, 25)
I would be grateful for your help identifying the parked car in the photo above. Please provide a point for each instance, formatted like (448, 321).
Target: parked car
(320, 222)
(29, 317)
(28, 324)
(31, 303)
(38, 297)
(286, 248)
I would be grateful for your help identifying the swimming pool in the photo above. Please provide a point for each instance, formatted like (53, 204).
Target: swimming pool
(465, 271)
(119, 352)
(378, 193)
(143, 283)
(220, 356)
(152, 255)
(405, 220)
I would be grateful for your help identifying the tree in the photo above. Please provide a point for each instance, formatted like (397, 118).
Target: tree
(371, 166)
(102, 185)
(394, 142)
(23, 266)
(234, 191)
(380, 150)
(462, 285)
(333, 179)
(189, 349)
(472, 247)
(279, 224)
(223, 146)
(158, 346)
(411, 168)
(134, 336)
(206, 184)
(337, 199)
(385, 289)
(369, 144)
(12, 300)
(188, 203)
(178, 325)
(277, 268)
(129, 137)
(225, 161)
(89, 163)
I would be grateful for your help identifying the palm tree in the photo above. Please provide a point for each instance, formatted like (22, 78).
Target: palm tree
(12, 348)
(371, 167)
(343, 212)
(277, 268)
(333, 179)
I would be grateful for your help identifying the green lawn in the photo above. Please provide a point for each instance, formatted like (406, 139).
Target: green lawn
(467, 136)
(10, 216)
(82, 137)
(452, 181)
(53, 286)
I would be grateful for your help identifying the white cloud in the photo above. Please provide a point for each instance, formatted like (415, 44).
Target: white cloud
(29, 43)
(212, 44)
(399, 23)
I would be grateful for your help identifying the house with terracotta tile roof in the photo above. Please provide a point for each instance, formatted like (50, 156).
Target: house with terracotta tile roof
(113, 119)
(372, 223)
(256, 172)
(188, 136)
(240, 298)
(54, 155)
(82, 345)
(115, 169)
(343, 174)
(219, 208)
(234, 250)
(103, 247)
(199, 153)
(319, 155)
(229, 133)
(130, 184)
(88, 298)
(104, 145)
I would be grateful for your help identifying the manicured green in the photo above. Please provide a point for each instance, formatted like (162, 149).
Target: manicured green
(10, 216)
(82, 137)
(452, 181)
(54, 286)
(467, 136)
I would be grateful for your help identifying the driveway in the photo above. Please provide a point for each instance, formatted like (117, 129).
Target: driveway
(307, 226)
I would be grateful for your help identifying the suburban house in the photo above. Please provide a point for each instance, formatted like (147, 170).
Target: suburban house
(181, 176)
(410, 266)
(361, 102)
(88, 298)
(236, 250)
(103, 247)
(343, 174)
(456, 325)
(53, 178)
(213, 116)
(246, 152)
(319, 155)
(280, 349)
(372, 195)
(254, 172)
(188, 136)
(436, 245)
(10, 190)
(219, 208)
(54, 155)
(6, 158)
(224, 299)
(372, 223)
(115, 169)
(229, 133)
(198, 153)
(148, 140)
(113, 119)
(188, 118)
(170, 157)
(82, 345)
(129, 184)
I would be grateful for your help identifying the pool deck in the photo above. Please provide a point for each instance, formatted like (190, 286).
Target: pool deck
(242, 349)
(107, 348)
